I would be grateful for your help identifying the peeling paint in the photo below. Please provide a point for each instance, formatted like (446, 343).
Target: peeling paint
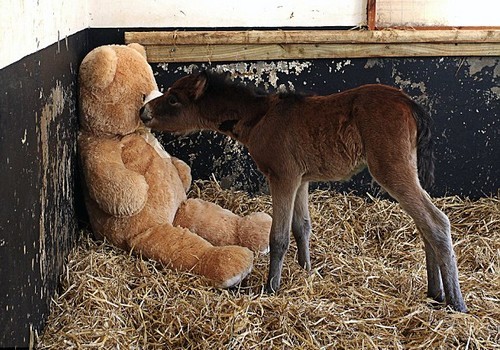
(23, 140)
(339, 66)
(57, 166)
(52, 109)
(478, 70)
(405, 83)
(265, 73)
(496, 90)
(477, 64)
(373, 62)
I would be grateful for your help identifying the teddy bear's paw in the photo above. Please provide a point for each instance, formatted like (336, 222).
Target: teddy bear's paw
(227, 266)
(253, 232)
(264, 250)
(233, 281)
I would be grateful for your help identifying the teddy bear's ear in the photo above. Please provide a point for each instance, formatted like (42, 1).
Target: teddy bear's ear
(139, 48)
(98, 68)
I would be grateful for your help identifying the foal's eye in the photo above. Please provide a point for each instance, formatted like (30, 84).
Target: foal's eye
(172, 100)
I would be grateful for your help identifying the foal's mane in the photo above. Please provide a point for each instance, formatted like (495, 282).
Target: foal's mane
(220, 82)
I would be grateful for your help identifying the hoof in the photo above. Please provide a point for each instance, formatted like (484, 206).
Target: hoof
(459, 307)
(437, 297)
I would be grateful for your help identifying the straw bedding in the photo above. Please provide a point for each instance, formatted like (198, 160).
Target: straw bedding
(366, 290)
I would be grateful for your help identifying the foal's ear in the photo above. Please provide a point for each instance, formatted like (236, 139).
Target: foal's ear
(200, 86)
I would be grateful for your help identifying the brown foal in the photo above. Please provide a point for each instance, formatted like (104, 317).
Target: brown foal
(296, 139)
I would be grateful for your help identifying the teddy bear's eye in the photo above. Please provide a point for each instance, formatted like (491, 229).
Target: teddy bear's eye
(172, 100)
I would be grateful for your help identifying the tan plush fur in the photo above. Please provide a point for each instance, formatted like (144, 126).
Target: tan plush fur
(136, 193)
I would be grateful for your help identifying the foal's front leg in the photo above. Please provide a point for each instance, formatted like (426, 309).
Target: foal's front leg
(301, 225)
(283, 196)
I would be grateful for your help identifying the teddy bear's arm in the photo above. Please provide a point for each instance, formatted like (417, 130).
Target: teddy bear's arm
(184, 172)
(117, 190)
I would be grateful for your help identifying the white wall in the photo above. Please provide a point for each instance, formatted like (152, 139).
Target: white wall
(27, 26)
(438, 12)
(224, 13)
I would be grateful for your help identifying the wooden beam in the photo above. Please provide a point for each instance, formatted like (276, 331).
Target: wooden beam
(217, 53)
(204, 46)
(371, 14)
(311, 37)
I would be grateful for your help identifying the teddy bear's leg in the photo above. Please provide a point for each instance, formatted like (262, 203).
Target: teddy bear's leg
(221, 227)
(254, 229)
(180, 249)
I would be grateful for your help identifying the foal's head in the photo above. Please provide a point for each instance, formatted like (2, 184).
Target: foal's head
(177, 109)
(199, 101)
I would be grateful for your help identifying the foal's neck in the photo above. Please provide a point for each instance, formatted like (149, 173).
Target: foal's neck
(241, 115)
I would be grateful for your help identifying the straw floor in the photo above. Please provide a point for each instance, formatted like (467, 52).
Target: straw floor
(366, 290)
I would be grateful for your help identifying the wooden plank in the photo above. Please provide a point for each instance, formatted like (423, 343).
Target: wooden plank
(217, 53)
(313, 37)
(371, 11)
(441, 28)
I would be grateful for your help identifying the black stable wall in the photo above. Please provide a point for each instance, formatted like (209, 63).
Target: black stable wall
(41, 204)
(38, 221)
(461, 93)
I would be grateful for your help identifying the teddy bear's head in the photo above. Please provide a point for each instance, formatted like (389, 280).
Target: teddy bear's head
(114, 81)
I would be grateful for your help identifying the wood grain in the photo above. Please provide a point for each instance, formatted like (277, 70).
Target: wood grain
(212, 46)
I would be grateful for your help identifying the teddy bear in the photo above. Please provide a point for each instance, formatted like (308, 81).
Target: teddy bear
(135, 192)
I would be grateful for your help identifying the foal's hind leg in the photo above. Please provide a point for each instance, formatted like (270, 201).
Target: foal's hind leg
(402, 184)
(301, 225)
(434, 283)
(435, 228)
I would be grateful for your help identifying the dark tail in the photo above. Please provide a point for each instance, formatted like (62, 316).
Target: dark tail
(425, 145)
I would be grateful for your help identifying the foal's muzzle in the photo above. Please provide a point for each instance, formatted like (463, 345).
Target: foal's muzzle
(144, 112)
